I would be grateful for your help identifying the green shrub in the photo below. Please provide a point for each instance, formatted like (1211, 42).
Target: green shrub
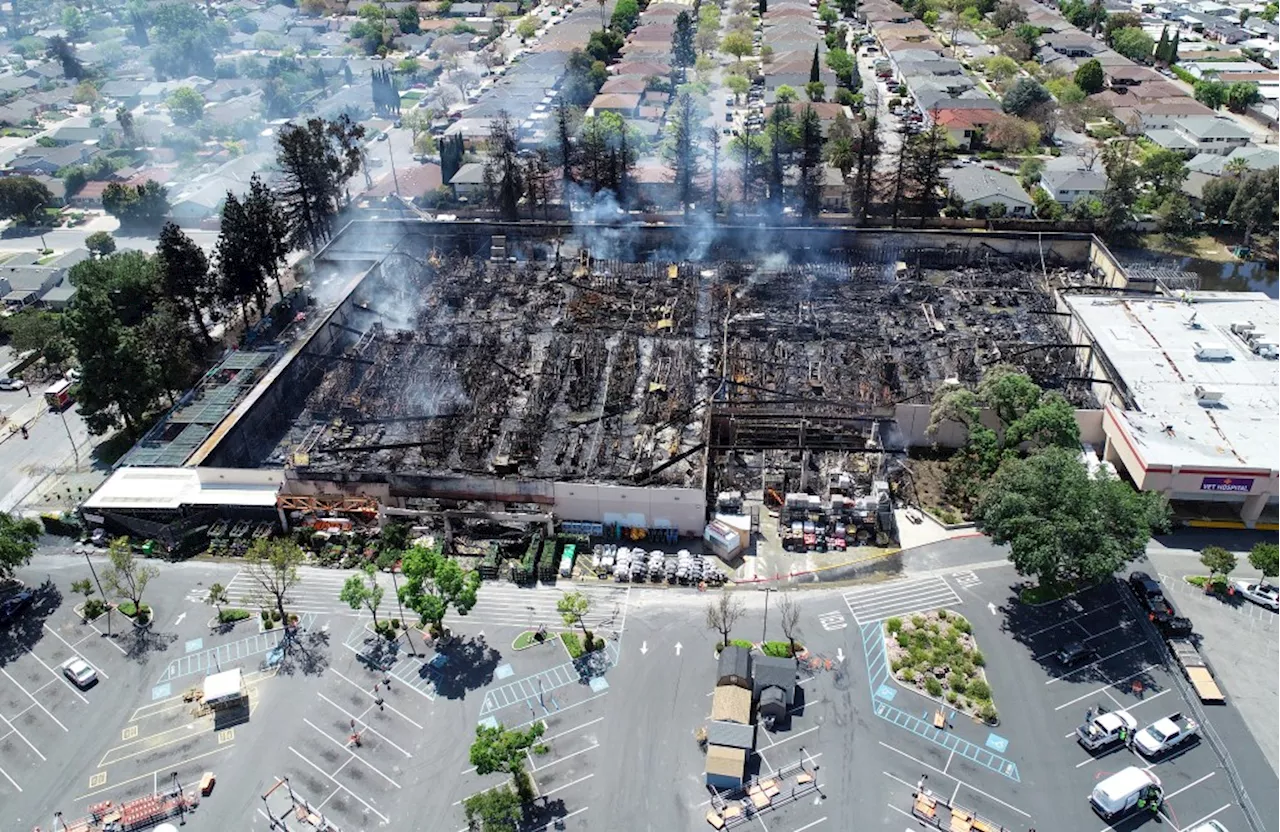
(268, 624)
(942, 615)
(933, 686)
(952, 697)
(231, 615)
(573, 644)
(979, 689)
(893, 625)
(963, 625)
(266, 616)
(988, 712)
(93, 608)
(128, 609)
(917, 621)
(540, 749)
(1197, 580)
(979, 660)
(957, 682)
(908, 676)
(777, 649)
(895, 665)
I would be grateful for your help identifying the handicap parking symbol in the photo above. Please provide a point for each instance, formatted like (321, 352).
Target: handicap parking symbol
(886, 692)
(997, 743)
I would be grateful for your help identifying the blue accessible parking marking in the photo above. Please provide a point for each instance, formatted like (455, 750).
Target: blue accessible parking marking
(502, 671)
(489, 722)
(997, 743)
(160, 691)
(886, 692)
(599, 685)
(194, 645)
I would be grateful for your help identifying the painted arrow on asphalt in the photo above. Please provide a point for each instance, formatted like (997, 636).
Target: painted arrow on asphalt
(644, 647)
(840, 654)
(179, 621)
(991, 607)
(679, 646)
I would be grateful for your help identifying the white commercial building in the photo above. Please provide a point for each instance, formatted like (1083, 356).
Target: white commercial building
(1193, 398)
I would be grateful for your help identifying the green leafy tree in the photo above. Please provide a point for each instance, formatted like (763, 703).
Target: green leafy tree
(362, 590)
(842, 64)
(126, 575)
(1165, 170)
(1120, 20)
(1007, 14)
(84, 587)
(1062, 525)
(494, 810)
(1263, 557)
(216, 597)
(574, 607)
(434, 584)
(18, 539)
(1089, 76)
(269, 245)
(65, 54)
(186, 106)
(785, 94)
(1175, 218)
(1254, 205)
(503, 173)
(410, 24)
(1024, 95)
(738, 85)
(809, 170)
(737, 44)
(143, 205)
(100, 243)
(73, 22)
(272, 564)
(1217, 560)
(23, 198)
(1050, 424)
(1212, 94)
(39, 330)
(626, 14)
(185, 276)
(1240, 95)
(1134, 44)
(500, 749)
(527, 27)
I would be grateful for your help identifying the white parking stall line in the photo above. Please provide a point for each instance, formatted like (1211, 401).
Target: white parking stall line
(10, 779)
(354, 756)
(812, 824)
(366, 727)
(13, 729)
(321, 772)
(1192, 784)
(37, 704)
(1196, 823)
(366, 692)
(567, 785)
(900, 598)
(566, 757)
(967, 785)
(72, 648)
(1087, 638)
(1095, 662)
(57, 675)
(110, 641)
(1035, 633)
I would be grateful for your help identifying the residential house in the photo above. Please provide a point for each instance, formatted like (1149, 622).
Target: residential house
(16, 84)
(975, 185)
(1066, 184)
(71, 134)
(412, 183)
(23, 286)
(1129, 76)
(468, 182)
(57, 189)
(624, 84)
(964, 126)
(1206, 69)
(624, 104)
(90, 196)
(466, 10)
(1073, 44)
(1256, 158)
(1201, 134)
(835, 191)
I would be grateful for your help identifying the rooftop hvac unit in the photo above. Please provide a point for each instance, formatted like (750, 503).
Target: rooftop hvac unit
(1243, 328)
(1211, 352)
(1266, 349)
(1205, 394)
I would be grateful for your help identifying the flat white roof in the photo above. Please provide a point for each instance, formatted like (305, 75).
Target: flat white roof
(169, 488)
(224, 685)
(1151, 344)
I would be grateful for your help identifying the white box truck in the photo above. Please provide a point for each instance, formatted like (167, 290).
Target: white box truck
(1125, 791)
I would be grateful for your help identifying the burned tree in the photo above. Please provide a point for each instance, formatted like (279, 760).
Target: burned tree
(503, 176)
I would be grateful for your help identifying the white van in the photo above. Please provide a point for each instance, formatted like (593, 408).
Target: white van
(1119, 793)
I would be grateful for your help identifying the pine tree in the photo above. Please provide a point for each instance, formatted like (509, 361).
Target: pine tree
(564, 141)
(924, 167)
(1162, 46)
(1173, 48)
(270, 242)
(451, 155)
(713, 136)
(897, 186)
(811, 172)
(184, 276)
(316, 160)
(815, 69)
(502, 170)
(682, 150)
(779, 132)
(684, 54)
(239, 278)
(348, 77)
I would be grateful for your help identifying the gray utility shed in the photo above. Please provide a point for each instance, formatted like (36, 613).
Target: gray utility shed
(731, 734)
(775, 685)
(735, 667)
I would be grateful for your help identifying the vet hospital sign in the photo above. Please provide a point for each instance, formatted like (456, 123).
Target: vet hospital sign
(1236, 485)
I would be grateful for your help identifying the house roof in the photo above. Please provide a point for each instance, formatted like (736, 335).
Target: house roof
(731, 734)
(624, 84)
(963, 118)
(773, 672)
(616, 101)
(472, 173)
(92, 190)
(725, 761)
(28, 278)
(414, 182)
(1170, 139)
(976, 183)
(1211, 127)
(731, 703)
(734, 661)
(1067, 179)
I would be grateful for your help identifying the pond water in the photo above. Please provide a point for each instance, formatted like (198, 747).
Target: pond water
(1247, 276)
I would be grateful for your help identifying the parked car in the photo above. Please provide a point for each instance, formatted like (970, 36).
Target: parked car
(1260, 594)
(12, 384)
(1075, 653)
(79, 671)
(12, 606)
(1144, 585)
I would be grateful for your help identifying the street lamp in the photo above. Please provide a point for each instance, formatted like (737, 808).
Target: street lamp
(94, 572)
(764, 630)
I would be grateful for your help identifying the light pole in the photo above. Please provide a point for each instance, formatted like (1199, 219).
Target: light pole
(74, 450)
(94, 572)
(764, 630)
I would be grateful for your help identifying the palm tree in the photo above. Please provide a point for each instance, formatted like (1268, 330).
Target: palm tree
(1236, 168)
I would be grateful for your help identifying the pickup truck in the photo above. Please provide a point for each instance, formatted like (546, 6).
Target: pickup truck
(1165, 734)
(1105, 729)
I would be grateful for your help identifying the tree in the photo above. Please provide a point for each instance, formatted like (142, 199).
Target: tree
(1063, 525)
(84, 587)
(1172, 52)
(1217, 560)
(145, 205)
(1255, 204)
(434, 584)
(626, 14)
(216, 597)
(1006, 14)
(239, 279)
(18, 539)
(682, 150)
(738, 85)
(100, 243)
(40, 331)
(789, 618)
(502, 174)
(23, 198)
(1212, 94)
(1122, 185)
(126, 575)
(1263, 557)
(272, 563)
(574, 608)
(1025, 94)
(494, 810)
(73, 22)
(1134, 44)
(65, 54)
(1011, 133)
(1175, 218)
(362, 590)
(1240, 95)
(186, 106)
(1001, 68)
(1089, 77)
(316, 159)
(809, 164)
(184, 275)
(1162, 46)
(723, 613)
(780, 132)
(737, 44)
(785, 94)
(1051, 423)
(843, 65)
(269, 245)
(499, 749)
(408, 20)
(1165, 170)
(1120, 20)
